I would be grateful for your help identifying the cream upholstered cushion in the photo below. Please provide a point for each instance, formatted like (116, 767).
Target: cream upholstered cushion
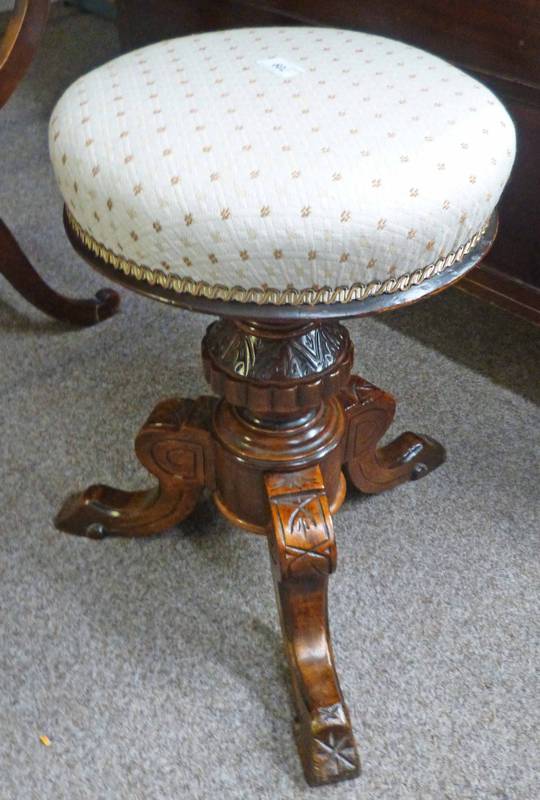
(275, 159)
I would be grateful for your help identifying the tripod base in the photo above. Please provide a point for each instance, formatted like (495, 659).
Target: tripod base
(278, 472)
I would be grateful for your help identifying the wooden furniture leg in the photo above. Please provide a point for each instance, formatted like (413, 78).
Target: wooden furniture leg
(303, 554)
(369, 412)
(175, 446)
(20, 273)
(17, 47)
(271, 449)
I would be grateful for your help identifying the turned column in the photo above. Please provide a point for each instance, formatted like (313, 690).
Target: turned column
(280, 411)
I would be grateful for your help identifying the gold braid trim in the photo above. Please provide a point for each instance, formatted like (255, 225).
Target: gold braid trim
(312, 296)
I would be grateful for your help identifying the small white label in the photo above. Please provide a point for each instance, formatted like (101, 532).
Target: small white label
(280, 66)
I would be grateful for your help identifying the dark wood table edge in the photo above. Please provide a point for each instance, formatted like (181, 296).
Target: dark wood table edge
(498, 289)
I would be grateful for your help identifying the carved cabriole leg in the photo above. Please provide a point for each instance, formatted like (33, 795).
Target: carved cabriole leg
(303, 553)
(369, 413)
(175, 446)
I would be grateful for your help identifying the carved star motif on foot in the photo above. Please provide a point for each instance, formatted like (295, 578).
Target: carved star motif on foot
(336, 754)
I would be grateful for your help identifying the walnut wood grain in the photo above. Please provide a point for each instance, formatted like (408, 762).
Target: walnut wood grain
(303, 554)
(279, 474)
(174, 445)
(248, 447)
(372, 469)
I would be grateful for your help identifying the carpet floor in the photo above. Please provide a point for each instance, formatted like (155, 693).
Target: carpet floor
(156, 667)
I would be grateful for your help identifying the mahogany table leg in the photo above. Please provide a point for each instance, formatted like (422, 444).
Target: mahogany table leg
(20, 273)
(175, 446)
(303, 553)
(369, 412)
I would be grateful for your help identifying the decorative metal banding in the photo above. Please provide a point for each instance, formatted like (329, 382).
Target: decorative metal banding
(312, 296)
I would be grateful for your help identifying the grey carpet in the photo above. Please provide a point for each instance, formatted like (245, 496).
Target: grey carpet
(155, 667)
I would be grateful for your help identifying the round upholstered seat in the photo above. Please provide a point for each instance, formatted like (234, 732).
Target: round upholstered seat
(275, 165)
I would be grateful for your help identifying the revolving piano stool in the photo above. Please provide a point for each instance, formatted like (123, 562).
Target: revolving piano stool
(280, 179)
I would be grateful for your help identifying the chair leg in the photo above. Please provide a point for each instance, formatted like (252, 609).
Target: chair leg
(175, 446)
(20, 273)
(371, 469)
(303, 554)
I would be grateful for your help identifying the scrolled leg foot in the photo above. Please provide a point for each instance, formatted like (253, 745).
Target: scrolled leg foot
(374, 469)
(107, 302)
(175, 446)
(327, 747)
(17, 269)
(303, 554)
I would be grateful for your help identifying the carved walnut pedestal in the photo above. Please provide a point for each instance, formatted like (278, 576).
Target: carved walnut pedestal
(273, 450)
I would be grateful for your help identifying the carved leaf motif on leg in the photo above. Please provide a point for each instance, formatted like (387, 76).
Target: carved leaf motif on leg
(306, 539)
(303, 551)
(372, 469)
